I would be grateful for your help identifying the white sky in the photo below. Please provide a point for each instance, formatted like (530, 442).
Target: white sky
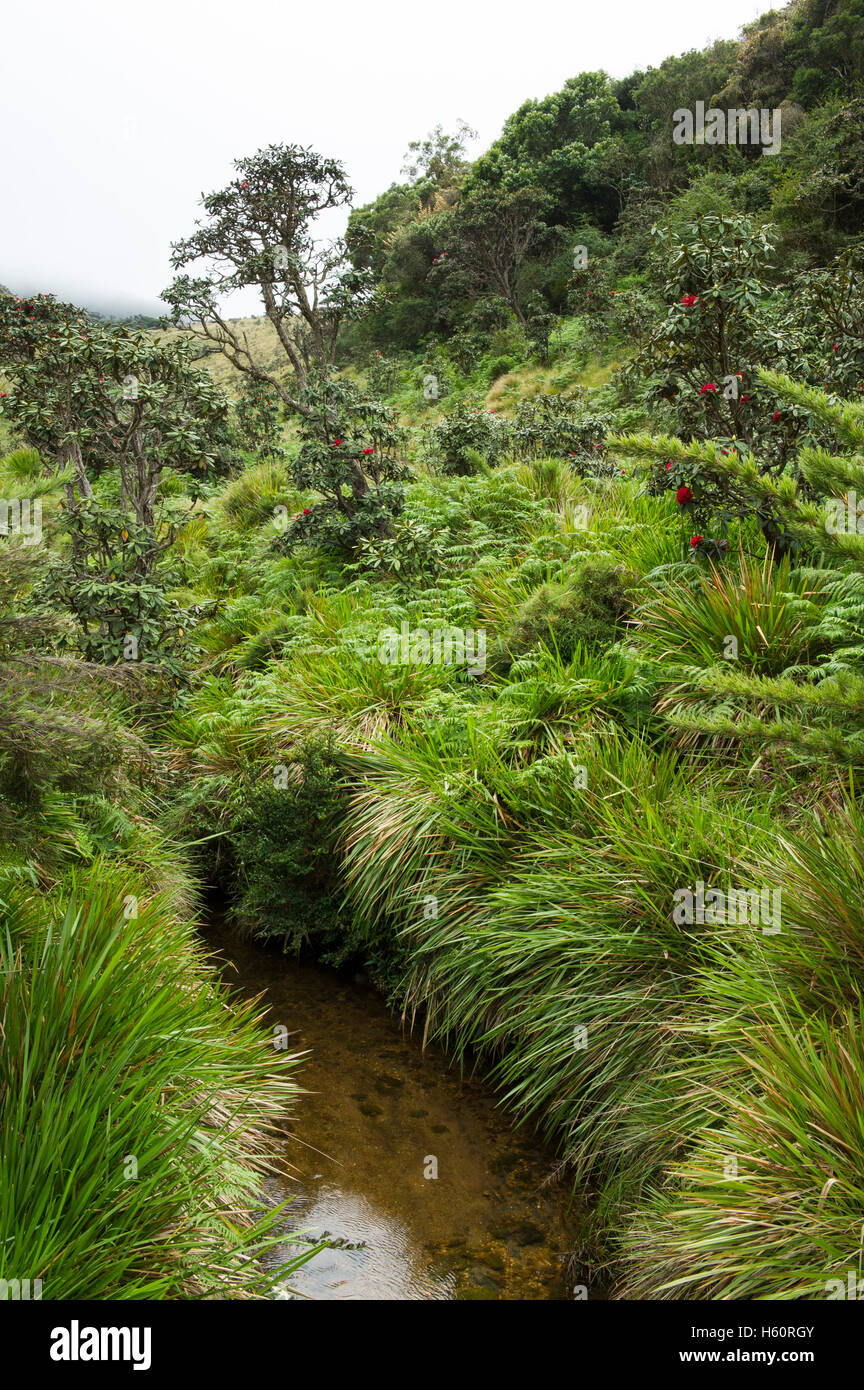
(116, 116)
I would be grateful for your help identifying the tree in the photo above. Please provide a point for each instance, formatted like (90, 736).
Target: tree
(107, 578)
(99, 401)
(94, 397)
(677, 82)
(258, 233)
(555, 144)
(492, 236)
(818, 200)
(35, 339)
(725, 317)
(440, 156)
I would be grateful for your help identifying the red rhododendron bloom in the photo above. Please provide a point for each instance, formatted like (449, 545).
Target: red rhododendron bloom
(745, 398)
(694, 540)
(776, 416)
(306, 511)
(368, 451)
(683, 496)
(709, 386)
(688, 299)
(668, 464)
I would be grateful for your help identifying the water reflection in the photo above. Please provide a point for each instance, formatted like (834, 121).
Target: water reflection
(381, 1117)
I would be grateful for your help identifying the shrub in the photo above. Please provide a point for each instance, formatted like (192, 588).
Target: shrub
(500, 367)
(465, 433)
(351, 454)
(256, 417)
(285, 862)
(556, 425)
(588, 609)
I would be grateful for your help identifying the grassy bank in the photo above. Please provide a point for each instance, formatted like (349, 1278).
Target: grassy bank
(138, 1108)
(505, 850)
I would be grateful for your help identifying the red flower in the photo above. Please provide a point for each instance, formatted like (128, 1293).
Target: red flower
(688, 299)
(683, 495)
(668, 464)
(245, 183)
(306, 511)
(709, 386)
(745, 398)
(694, 540)
(336, 442)
(776, 416)
(368, 451)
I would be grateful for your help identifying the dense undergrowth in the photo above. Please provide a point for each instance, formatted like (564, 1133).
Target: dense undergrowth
(138, 1110)
(504, 850)
(516, 652)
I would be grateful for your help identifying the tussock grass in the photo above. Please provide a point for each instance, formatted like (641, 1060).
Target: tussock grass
(136, 1104)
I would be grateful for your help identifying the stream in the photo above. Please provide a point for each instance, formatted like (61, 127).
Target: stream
(361, 1150)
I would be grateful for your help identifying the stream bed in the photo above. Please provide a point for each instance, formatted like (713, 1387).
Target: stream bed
(383, 1116)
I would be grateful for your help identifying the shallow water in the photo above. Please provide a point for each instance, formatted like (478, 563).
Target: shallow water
(493, 1224)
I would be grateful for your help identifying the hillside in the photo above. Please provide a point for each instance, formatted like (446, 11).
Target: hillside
(491, 644)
